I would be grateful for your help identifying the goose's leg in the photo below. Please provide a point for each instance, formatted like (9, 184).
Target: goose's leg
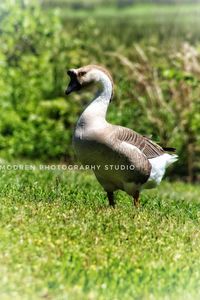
(136, 199)
(111, 198)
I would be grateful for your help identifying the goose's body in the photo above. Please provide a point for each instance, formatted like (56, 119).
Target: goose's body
(126, 160)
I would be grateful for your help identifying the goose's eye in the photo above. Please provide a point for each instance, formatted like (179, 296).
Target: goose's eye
(82, 73)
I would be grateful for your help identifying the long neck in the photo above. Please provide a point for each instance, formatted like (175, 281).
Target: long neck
(97, 109)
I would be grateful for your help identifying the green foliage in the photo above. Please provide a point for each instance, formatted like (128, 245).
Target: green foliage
(167, 92)
(59, 239)
(95, 4)
(156, 74)
(32, 68)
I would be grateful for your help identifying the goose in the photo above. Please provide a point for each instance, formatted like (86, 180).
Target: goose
(124, 159)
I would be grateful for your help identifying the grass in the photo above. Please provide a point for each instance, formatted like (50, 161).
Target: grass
(60, 240)
(159, 25)
(149, 11)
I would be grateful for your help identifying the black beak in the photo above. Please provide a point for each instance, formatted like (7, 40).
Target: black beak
(74, 84)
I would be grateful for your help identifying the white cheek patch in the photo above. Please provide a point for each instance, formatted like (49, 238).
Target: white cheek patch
(96, 75)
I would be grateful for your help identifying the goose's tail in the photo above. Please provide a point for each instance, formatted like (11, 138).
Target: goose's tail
(169, 149)
(159, 165)
(169, 158)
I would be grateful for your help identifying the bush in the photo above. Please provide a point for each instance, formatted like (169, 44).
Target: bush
(166, 92)
(32, 68)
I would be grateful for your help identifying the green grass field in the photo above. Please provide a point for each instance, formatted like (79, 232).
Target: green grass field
(60, 240)
(135, 10)
(140, 14)
(164, 26)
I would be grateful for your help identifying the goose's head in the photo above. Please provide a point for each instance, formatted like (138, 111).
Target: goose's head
(82, 77)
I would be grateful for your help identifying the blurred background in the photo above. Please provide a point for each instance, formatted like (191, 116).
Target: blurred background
(152, 49)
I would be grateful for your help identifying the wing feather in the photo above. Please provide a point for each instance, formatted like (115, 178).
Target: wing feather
(149, 148)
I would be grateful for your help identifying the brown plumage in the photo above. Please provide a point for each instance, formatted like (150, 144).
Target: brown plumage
(141, 161)
(146, 146)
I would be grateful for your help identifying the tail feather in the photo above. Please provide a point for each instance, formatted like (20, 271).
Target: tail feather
(169, 149)
(159, 165)
(171, 159)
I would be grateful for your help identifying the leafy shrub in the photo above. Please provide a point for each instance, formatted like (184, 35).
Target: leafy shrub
(167, 93)
(32, 68)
